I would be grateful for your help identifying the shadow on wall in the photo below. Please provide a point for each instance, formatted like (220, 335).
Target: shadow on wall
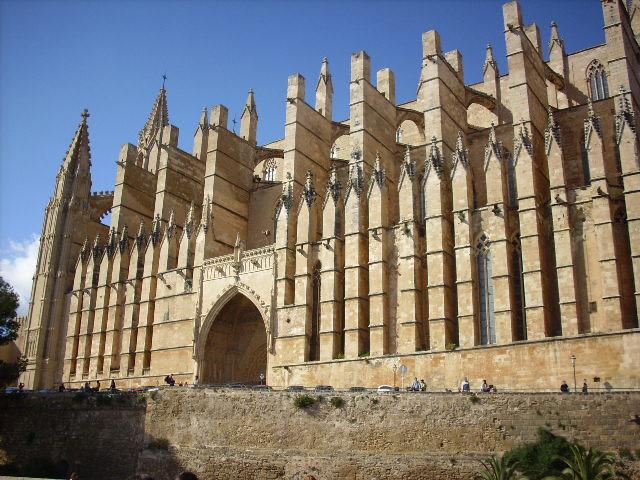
(98, 436)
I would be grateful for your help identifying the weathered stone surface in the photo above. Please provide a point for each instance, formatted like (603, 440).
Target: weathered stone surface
(232, 434)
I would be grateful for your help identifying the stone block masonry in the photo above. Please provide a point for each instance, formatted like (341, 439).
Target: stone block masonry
(241, 434)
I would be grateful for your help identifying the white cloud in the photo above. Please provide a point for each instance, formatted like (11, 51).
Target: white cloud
(17, 266)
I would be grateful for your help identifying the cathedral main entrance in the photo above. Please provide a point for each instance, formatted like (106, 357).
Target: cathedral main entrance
(236, 345)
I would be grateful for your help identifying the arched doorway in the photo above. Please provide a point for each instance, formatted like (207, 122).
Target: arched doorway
(236, 345)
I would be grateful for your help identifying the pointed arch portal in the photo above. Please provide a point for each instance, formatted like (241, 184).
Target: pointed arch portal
(234, 344)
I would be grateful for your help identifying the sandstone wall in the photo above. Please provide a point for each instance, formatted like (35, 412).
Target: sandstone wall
(237, 434)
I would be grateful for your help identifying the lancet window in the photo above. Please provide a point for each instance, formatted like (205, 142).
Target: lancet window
(485, 288)
(270, 170)
(314, 341)
(597, 79)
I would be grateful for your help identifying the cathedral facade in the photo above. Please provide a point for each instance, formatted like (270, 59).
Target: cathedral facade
(488, 230)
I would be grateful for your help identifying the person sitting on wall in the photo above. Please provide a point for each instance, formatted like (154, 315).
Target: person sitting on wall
(97, 386)
(423, 386)
(465, 386)
(61, 388)
(415, 385)
(87, 387)
(169, 380)
(485, 388)
(564, 388)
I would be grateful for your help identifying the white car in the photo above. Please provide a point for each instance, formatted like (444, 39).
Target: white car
(386, 389)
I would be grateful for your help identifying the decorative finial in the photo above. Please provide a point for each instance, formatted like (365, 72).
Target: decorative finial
(164, 79)
(309, 191)
(379, 173)
(85, 115)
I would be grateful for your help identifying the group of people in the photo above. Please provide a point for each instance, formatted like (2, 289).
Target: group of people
(465, 387)
(418, 385)
(169, 380)
(564, 387)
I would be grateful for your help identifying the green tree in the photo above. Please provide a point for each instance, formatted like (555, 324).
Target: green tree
(9, 325)
(500, 468)
(540, 459)
(586, 465)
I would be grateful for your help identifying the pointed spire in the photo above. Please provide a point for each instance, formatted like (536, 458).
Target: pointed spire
(124, 239)
(189, 221)
(155, 229)
(309, 191)
(206, 214)
(522, 139)
(140, 237)
(408, 164)
(97, 247)
(158, 118)
(591, 123)
(84, 250)
(461, 153)
(552, 132)
(112, 242)
(624, 115)
(334, 184)
(249, 120)
(555, 39)
(287, 192)
(490, 61)
(324, 91)
(379, 173)
(78, 156)
(171, 226)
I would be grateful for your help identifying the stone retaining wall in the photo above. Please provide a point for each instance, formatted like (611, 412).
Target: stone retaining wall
(239, 434)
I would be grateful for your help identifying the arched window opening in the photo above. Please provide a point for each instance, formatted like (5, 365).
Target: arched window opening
(485, 288)
(519, 293)
(422, 209)
(334, 152)
(584, 155)
(270, 170)
(512, 184)
(314, 340)
(399, 135)
(597, 80)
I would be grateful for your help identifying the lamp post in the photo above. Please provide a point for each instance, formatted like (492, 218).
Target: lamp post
(573, 363)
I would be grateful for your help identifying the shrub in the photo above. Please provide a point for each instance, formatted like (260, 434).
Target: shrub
(625, 454)
(340, 356)
(474, 398)
(451, 346)
(103, 400)
(363, 354)
(375, 401)
(304, 401)
(539, 459)
(80, 396)
(158, 444)
(337, 402)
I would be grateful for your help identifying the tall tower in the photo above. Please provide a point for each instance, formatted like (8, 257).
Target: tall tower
(62, 236)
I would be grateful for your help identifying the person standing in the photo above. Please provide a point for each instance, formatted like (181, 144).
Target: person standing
(564, 387)
(585, 388)
(112, 387)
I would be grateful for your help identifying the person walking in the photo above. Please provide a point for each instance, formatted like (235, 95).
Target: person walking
(585, 388)
(112, 387)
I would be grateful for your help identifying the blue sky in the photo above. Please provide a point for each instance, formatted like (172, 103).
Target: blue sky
(58, 57)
